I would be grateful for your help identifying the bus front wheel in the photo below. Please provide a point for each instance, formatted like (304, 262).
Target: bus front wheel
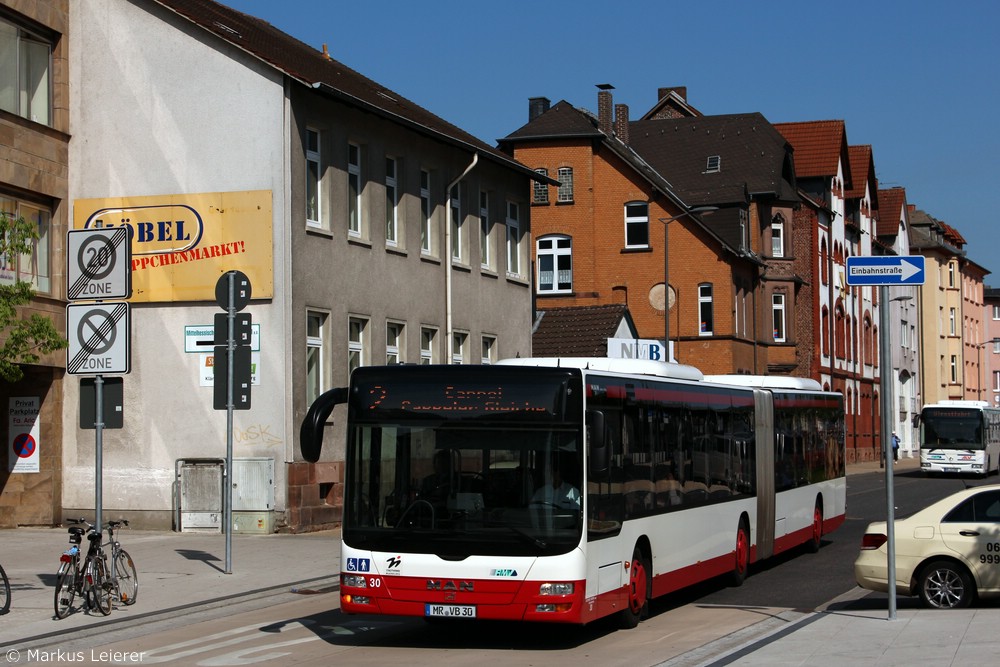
(640, 584)
(741, 564)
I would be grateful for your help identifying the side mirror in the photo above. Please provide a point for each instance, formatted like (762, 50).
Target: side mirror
(311, 431)
(596, 443)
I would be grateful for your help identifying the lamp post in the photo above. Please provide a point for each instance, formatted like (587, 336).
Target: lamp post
(666, 270)
(992, 341)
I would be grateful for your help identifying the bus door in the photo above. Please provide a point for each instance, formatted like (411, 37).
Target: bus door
(764, 440)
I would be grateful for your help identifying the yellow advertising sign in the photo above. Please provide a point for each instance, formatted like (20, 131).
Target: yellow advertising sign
(181, 244)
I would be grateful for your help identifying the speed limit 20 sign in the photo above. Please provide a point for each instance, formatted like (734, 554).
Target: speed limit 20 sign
(99, 263)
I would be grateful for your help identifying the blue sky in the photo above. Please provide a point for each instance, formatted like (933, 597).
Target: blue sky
(917, 80)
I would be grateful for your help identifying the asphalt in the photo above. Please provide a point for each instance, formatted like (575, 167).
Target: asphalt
(181, 574)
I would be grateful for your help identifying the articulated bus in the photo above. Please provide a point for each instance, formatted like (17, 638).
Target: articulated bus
(566, 490)
(960, 437)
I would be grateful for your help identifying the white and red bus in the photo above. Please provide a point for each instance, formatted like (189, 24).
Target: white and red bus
(663, 479)
(960, 437)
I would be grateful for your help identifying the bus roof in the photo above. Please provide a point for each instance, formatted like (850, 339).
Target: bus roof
(767, 381)
(955, 403)
(631, 366)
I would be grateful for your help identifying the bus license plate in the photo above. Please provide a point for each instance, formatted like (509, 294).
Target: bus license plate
(450, 610)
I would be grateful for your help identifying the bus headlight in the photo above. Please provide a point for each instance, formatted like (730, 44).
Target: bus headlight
(556, 588)
(354, 580)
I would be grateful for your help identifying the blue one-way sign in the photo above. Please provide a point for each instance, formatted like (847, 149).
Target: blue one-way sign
(888, 270)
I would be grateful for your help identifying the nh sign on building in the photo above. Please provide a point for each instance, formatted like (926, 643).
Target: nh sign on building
(636, 348)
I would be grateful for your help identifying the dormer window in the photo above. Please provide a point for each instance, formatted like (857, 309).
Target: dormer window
(714, 164)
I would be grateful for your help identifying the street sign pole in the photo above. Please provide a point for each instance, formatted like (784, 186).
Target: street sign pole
(885, 403)
(230, 355)
(99, 447)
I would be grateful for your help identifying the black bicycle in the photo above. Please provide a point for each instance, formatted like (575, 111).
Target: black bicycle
(88, 579)
(4, 592)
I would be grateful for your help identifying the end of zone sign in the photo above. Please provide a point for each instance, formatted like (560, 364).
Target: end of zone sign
(887, 270)
(98, 338)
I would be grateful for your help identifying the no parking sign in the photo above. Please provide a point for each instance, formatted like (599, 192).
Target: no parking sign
(22, 415)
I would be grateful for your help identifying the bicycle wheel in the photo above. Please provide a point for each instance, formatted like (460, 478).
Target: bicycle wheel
(126, 578)
(66, 587)
(100, 586)
(4, 592)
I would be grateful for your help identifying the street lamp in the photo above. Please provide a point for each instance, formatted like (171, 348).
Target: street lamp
(666, 270)
(994, 341)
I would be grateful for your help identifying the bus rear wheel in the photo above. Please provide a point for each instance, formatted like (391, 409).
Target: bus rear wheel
(640, 584)
(741, 564)
(816, 539)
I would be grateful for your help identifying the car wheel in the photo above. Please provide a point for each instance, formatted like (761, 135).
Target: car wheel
(945, 585)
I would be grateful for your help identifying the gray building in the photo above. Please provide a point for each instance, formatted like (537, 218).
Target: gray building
(371, 230)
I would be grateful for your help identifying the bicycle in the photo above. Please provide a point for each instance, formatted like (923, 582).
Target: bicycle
(90, 580)
(124, 578)
(4, 592)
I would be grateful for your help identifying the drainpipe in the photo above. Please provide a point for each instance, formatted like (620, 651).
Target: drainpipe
(449, 347)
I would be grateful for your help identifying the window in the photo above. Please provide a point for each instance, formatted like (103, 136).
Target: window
(428, 353)
(25, 61)
(315, 345)
(513, 240)
(637, 225)
(954, 369)
(314, 202)
(904, 334)
(32, 267)
(485, 229)
(778, 237)
(489, 349)
(393, 343)
(951, 274)
(455, 204)
(996, 346)
(778, 317)
(555, 264)
(458, 347)
(425, 211)
(705, 309)
(540, 189)
(996, 312)
(713, 164)
(391, 203)
(996, 380)
(354, 211)
(565, 185)
(951, 321)
(357, 343)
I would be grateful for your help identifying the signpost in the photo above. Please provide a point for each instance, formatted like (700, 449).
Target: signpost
(99, 267)
(232, 359)
(885, 271)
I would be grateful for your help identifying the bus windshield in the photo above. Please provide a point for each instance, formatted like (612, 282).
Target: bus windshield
(952, 428)
(457, 468)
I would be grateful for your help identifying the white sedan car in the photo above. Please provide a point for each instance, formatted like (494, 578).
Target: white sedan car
(948, 553)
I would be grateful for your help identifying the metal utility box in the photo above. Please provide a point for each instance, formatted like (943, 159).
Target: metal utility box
(199, 495)
(253, 496)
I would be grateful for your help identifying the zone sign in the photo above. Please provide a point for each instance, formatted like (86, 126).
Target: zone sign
(100, 264)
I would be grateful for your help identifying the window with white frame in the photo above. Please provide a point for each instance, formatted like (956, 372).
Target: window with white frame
(393, 343)
(32, 267)
(354, 191)
(951, 274)
(904, 334)
(637, 225)
(428, 348)
(540, 189)
(705, 318)
(485, 231)
(996, 346)
(314, 194)
(513, 239)
(996, 312)
(565, 195)
(391, 202)
(457, 223)
(489, 349)
(778, 317)
(996, 380)
(713, 164)
(315, 354)
(555, 264)
(778, 236)
(954, 369)
(459, 347)
(25, 66)
(357, 343)
(426, 228)
(952, 321)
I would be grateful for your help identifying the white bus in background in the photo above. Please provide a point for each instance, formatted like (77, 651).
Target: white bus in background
(677, 479)
(960, 437)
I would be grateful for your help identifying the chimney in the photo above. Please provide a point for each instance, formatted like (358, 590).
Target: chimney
(621, 122)
(537, 106)
(604, 108)
(682, 92)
